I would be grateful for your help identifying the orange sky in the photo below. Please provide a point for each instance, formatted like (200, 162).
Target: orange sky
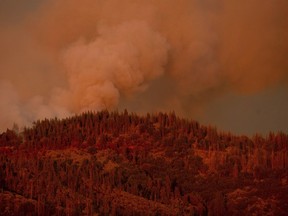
(220, 62)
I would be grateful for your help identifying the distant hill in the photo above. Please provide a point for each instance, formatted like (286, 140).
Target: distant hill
(110, 163)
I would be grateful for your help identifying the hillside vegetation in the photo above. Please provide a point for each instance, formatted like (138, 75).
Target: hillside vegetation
(110, 163)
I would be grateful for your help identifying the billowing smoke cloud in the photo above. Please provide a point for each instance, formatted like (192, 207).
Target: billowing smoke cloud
(16, 111)
(65, 57)
(122, 59)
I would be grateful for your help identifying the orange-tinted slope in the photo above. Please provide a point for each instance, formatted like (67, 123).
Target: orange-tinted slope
(123, 164)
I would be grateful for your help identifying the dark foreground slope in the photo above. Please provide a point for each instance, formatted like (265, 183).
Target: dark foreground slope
(123, 164)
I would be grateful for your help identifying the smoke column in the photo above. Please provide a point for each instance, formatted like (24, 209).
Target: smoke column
(65, 57)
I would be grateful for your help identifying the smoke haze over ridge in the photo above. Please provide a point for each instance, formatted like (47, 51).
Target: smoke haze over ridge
(63, 57)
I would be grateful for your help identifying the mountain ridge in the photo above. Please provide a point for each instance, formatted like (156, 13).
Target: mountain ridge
(111, 163)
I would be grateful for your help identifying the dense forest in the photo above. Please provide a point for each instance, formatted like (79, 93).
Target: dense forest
(110, 163)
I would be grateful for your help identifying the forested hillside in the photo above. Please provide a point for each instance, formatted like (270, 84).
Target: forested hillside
(110, 163)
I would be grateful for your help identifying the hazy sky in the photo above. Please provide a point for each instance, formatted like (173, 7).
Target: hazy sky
(220, 62)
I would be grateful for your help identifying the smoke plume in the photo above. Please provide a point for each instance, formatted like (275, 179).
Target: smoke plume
(64, 57)
(122, 59)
